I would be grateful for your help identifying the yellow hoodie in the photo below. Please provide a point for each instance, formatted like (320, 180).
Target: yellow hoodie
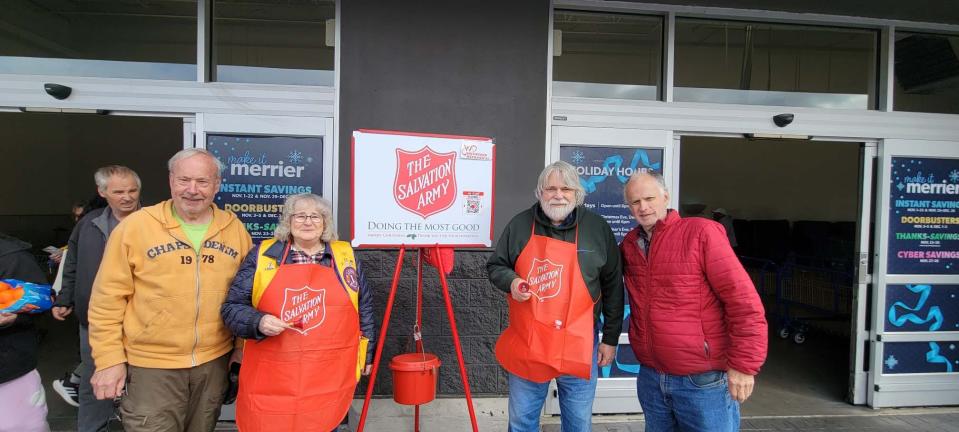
(155, 301)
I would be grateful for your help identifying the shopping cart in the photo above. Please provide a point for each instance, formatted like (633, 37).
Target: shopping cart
(808, 295)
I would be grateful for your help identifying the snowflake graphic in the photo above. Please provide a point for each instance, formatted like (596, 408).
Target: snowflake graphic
(954, 176)
(891, 362)
(900, 186)
(295, 157)
(578, 157)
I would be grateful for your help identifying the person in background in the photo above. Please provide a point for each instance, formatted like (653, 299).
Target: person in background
(78, 210)
(722, 216)
(697, 326)
(154, 313)
(120, 187)
(24, 404)
(559, 264)
(308, 346)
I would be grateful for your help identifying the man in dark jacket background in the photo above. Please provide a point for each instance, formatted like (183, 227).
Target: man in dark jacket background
(20, 388)
(697, 325)
(120, 186)
(557, 252)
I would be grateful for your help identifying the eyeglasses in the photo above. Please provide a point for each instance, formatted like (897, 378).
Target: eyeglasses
(553, 190)
(301, 218)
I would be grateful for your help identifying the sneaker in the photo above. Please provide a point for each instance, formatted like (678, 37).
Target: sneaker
(67, 390)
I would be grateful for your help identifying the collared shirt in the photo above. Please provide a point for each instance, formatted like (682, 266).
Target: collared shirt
(300, 257)
(644, 241)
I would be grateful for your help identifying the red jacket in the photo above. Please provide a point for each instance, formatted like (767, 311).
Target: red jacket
(693, 308)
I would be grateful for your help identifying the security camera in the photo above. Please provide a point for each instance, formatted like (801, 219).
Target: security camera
(58, 91)
(783, 120)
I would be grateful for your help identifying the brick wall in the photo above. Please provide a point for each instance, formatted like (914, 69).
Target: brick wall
(480, 310)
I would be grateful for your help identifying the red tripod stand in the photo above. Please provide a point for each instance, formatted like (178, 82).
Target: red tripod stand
(419, 325)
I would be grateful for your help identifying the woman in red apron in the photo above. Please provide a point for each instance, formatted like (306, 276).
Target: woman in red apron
(301, 302)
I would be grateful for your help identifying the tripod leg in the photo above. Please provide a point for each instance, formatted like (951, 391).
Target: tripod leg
(381, 337)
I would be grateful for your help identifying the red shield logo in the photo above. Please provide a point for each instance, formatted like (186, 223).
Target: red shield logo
(425, 181)
(304, 307)
(545, 279)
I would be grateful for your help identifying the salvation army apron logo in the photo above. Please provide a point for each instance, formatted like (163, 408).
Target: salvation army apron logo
(304, 307)
(425, 181)
(545, 279)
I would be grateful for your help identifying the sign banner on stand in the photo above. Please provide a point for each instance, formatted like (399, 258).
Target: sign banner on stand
(417, 189)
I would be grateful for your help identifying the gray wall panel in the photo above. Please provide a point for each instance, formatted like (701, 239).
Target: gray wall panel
(451, 67)
(454, 67)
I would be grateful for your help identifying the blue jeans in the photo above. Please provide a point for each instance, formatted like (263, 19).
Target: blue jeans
(686, 403)
(576, 395)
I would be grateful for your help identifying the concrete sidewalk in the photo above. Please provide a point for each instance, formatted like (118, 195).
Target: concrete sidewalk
(451, 415)
(893, 420)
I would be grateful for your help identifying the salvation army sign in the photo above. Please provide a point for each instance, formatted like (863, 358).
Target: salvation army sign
(412, 189)
(425, 181)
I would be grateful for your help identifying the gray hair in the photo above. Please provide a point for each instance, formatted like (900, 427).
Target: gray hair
(103, 174)
(660, 181)
(570, 178)
(282, 231)
(190, 152)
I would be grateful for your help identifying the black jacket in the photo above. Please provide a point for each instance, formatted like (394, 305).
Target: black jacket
(85, 250)
(18, 340)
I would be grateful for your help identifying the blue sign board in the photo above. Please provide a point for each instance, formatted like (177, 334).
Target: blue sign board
(261, 171)
(624, 363)
(922, 308)
(920, 357)
(924, 216)
(603, 171)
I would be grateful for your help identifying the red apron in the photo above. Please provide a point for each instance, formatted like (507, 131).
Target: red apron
(552, 333)
(302, 379)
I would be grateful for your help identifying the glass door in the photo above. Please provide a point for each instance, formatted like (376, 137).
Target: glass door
(914, 345)
(604, 159)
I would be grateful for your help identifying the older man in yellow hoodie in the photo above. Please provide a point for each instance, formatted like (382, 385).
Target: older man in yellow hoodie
(154, 312)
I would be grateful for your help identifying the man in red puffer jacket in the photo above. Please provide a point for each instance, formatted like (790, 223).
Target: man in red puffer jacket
(697, 325)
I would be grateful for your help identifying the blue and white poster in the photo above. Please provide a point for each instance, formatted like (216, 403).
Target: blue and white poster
(261, 171)
(920, 357)
(924, 216)
(603, 171)
(922, 308)
(624, 363)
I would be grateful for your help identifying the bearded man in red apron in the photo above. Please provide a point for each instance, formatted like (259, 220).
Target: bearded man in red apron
(301, 302)
(560, 267)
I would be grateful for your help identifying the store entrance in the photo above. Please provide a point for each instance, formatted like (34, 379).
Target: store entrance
(794, 208)
(49, 160)
(48, 165)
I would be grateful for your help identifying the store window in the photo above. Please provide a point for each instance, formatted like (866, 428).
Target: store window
(141, 39)
(775, 64)
(927, 73)
(287, 42)
(607, 55)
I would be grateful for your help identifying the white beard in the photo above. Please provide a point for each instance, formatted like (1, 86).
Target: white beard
(557, 213)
